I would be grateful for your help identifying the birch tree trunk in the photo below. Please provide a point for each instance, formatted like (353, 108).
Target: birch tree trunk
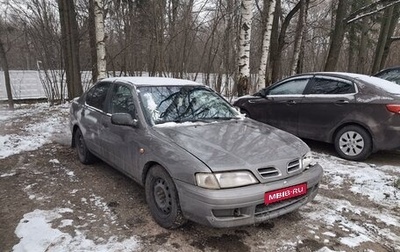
(266, 43)
(244, 47)
(100, 39)
(92, 41)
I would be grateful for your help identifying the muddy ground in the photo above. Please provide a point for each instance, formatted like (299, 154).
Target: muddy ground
(105, 203)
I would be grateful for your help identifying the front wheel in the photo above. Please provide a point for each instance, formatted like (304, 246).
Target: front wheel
(162, 198)
(353, 143)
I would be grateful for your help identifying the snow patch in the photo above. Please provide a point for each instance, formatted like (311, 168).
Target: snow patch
(36, 234)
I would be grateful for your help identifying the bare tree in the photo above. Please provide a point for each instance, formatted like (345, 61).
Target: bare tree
(371, 9)
(299, 37)
(337, 36)
(269, 7)
(276, 64)
(4, 66)
(389, 21)
(70, 43)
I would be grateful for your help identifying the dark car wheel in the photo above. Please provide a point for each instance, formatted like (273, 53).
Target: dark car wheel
(84, 155)
(162, 198)
(353, 143)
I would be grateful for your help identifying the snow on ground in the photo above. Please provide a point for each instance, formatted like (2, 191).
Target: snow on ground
(37, 234)
(35, 134)
(35, 229)
(363, 180)
(377, 183)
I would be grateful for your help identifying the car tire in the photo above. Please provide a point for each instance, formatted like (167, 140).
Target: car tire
(84, 155)
(353, 143)
(162, 198)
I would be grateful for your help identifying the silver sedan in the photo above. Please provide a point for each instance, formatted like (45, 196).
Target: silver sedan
(197, 157)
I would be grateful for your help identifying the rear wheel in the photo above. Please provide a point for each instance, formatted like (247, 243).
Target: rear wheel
(162, 198)
(84, 155)
(353, 143)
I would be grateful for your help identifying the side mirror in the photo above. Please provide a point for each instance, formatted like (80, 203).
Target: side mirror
(123, 119)
(263, 92)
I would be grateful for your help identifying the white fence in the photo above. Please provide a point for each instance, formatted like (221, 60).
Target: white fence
(24, 85)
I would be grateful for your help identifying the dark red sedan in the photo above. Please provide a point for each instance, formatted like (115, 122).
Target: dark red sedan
(359, 114)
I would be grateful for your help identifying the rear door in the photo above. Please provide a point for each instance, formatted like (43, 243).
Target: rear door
(327, 103)
(280, 106)
(92, 114)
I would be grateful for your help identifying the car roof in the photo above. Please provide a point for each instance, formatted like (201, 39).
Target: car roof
(396, 68)
(376, 82)
(373, 81)
(152, 81)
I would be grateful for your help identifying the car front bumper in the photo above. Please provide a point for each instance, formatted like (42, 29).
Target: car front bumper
(245, 205)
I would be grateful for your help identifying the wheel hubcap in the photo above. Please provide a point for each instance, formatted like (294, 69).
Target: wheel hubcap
(351, 143)
(162, 196)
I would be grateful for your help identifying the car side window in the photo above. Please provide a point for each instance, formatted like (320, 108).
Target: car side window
(331, 86)
(97, 95)
(122, 100)
(292, 87)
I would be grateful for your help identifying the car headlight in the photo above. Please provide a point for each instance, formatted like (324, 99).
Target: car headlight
(308, 160)
(225, 179)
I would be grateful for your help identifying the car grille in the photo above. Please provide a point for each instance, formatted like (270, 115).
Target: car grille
(268, 172)
(293, 166)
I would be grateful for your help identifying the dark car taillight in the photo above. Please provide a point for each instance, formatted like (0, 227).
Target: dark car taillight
(395, 108)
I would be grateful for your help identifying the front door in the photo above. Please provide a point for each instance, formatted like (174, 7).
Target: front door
(282, 102)
(121, 143)
(327, 102)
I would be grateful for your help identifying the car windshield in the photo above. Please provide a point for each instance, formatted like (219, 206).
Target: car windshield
(163, 104)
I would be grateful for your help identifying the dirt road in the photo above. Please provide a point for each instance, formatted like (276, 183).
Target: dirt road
(103, 206)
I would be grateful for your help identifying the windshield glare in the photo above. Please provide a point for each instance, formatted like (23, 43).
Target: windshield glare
(183, 103)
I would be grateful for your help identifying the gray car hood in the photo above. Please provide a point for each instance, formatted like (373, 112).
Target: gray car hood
(234, 144)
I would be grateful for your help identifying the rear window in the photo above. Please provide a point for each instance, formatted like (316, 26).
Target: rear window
(331, 86)
(392, 75)
(385, 85)
(97, 95)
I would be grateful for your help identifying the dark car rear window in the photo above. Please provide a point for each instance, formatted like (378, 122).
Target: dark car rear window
(331, 86)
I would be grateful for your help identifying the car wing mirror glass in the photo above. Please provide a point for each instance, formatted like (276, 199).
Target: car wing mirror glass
(123, 119)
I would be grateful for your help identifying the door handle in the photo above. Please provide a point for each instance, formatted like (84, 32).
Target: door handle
(253, 101)
(342, 102)
(291, 102)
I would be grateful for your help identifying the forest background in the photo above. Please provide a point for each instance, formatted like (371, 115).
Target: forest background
(235, 46)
